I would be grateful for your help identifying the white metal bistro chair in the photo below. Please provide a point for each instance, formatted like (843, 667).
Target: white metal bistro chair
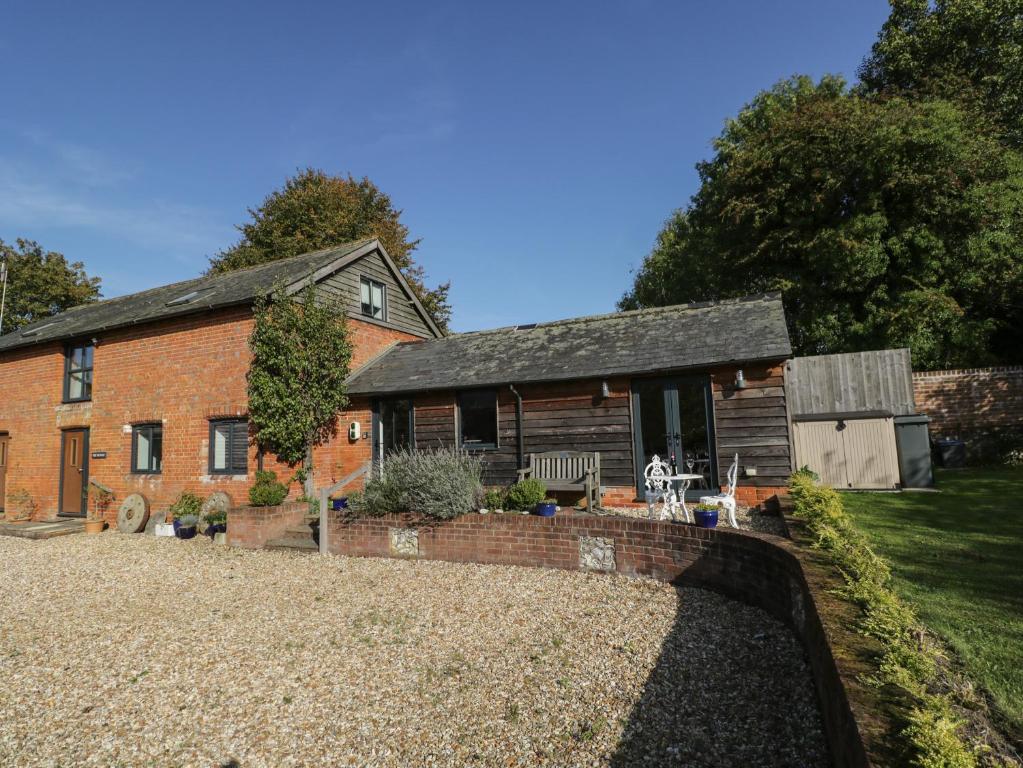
(726, 500)
(659, 488)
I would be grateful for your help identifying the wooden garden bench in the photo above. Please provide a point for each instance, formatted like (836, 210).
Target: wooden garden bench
(567, 471)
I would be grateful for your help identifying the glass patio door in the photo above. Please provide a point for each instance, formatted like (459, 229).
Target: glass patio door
(392, 428)
(674, 419)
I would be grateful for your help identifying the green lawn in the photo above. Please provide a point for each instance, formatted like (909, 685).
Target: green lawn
(957, 556)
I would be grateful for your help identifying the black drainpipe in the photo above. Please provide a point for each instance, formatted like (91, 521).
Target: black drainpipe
(518, 424)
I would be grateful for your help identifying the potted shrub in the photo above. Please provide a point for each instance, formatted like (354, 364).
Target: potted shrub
(216, 522)
(95, 518)
(706, 515)
(546, 508)
(186, 514)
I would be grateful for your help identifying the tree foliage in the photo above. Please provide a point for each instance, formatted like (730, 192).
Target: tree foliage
(969, 51)
(301, 354)
(314, 210)
(885, 221)
(41, 284)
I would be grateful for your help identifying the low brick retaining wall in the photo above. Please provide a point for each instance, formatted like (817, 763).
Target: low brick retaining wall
(253, 527)
(765, 571)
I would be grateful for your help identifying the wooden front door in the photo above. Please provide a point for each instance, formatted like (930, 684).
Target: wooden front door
(4, 444)
(74, 471)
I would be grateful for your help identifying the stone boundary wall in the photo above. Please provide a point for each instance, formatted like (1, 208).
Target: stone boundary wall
(765, 571)
(972, 404)
(253, 527)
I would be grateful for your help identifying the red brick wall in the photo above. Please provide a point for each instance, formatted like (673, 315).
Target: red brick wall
(253, 527)
(971, 403)
(181, 372)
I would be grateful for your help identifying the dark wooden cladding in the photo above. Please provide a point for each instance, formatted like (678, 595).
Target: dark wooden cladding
(556, 417)
(753, 422)
(572, 416)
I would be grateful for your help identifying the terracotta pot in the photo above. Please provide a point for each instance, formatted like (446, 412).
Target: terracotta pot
(94, 526)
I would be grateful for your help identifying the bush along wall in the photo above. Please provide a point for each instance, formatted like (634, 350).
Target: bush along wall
(909, 666)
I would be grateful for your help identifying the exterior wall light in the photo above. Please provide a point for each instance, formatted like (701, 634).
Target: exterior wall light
(605, 390)
(740, 380)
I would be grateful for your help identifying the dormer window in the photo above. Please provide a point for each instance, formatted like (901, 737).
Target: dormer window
(78, 372)
(373, 299)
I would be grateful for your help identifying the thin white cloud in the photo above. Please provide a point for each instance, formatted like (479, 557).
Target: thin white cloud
(158, 225)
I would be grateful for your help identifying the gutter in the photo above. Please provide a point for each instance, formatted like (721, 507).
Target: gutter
(519, 426)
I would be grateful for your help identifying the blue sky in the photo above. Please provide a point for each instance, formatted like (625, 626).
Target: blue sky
(536, 148)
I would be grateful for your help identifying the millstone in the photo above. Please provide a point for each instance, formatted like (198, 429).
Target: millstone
(133, 514)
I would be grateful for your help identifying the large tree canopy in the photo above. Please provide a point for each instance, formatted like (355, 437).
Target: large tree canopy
(315, 210)
(885, 222)
(41, 284)
(962, 50)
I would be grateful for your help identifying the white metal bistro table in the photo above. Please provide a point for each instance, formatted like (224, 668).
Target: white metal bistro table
(675, 498)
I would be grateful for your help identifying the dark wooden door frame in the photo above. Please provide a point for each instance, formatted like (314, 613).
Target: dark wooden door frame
(85, 472)
(674, 429)
(5, 438)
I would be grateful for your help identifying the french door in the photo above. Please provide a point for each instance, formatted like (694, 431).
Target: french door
(673, 418)
(392, 427)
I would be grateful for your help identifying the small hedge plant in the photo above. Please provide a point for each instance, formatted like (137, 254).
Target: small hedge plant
(909, 664)
(187, 507)
(439, 484)
(267, 490)
(493, 499)
(525, 494)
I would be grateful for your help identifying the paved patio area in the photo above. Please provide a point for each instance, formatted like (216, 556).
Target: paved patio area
(118, 650)
(41, 530)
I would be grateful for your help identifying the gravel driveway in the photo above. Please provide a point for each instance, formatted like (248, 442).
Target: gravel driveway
(119, 650)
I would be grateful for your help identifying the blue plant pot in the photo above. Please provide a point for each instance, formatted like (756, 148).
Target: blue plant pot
(339, 504)
(213, 530)
(185, 533)
(545, 509)
(706, 518)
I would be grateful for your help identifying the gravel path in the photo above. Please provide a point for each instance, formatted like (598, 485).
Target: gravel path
(118, 650)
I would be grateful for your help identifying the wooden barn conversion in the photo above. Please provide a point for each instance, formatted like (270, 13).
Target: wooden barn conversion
(701, 382)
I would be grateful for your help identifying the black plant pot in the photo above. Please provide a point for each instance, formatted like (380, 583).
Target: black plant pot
(315, 525)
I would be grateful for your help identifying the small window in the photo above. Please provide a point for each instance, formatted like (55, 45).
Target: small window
(373, 294)
(147, 449)
(229, 447)
(78, 373)
(477, 418)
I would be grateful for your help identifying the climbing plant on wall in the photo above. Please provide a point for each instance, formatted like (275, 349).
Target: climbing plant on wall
(301, 355)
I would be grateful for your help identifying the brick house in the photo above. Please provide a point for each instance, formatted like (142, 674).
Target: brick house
(147, 393)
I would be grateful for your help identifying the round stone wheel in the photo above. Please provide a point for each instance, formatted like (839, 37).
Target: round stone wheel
(217, 502)
(133, 514)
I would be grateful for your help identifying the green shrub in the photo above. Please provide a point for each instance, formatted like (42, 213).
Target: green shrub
(906, 663)
(525, 494)
(187, 505)
(493, 499)
(267, 490)
(440, 484)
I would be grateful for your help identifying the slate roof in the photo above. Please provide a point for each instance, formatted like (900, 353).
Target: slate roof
(636, 342)
(213, 292)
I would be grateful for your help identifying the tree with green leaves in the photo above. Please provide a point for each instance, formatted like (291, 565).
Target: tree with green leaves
(301, 355)
(315, 210)
(42, 283)
(885, 222)
(969, 51)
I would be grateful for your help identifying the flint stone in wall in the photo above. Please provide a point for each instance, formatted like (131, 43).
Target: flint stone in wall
(596, 553)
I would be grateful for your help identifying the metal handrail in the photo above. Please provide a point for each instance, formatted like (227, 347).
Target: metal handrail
(325, 496)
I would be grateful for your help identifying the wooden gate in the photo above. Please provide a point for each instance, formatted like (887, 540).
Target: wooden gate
(849, 453)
